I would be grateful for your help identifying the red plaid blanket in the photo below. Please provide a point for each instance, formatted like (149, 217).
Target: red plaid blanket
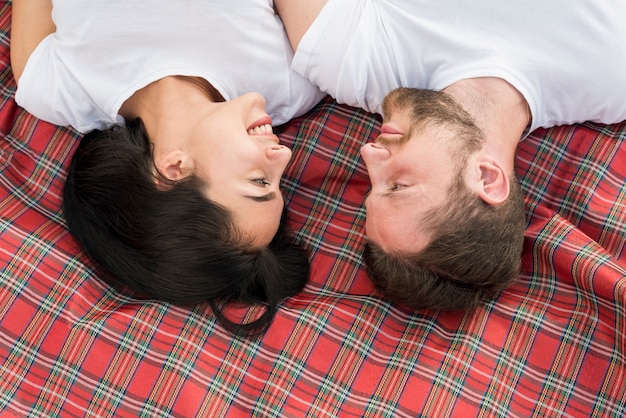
(554, 344)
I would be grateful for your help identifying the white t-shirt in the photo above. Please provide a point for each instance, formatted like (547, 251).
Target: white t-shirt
(567, 59)
(105, 50)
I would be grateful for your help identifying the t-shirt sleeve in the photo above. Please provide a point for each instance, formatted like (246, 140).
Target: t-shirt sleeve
(333, 55)
(48, 90)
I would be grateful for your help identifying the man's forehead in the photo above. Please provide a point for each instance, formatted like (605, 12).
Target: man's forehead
(395, 231)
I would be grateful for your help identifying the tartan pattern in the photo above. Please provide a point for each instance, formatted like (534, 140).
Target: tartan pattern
(554, 344)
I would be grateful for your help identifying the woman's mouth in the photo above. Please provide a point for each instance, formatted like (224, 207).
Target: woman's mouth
(262, 126)
(265, 129)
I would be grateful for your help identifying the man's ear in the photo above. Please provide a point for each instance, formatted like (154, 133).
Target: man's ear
(174, 166)
(490, 180)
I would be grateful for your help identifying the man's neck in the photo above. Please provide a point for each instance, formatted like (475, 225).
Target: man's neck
(498, 108)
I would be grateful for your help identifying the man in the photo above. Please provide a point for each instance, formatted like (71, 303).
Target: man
(445, 216)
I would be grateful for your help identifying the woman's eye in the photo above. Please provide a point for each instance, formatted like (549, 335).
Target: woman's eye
(262, 181)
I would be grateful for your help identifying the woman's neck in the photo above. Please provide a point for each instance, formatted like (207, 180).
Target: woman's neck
(162, 97)
(166, 106)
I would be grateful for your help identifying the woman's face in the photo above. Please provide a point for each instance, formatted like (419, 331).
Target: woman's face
(239, 158)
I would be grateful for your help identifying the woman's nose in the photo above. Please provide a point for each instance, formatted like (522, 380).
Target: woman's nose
(278, 154)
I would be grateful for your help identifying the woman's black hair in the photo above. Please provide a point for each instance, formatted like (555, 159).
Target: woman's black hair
(171, 243)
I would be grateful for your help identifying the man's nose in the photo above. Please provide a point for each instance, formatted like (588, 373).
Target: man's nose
(373, 153)
(375, 156)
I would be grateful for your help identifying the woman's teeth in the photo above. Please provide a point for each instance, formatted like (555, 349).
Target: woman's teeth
(261, 130)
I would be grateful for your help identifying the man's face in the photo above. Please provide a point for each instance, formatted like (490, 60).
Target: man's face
(410, 171)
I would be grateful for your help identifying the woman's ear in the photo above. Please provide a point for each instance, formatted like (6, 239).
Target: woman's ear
(490, 180)
(174, 166)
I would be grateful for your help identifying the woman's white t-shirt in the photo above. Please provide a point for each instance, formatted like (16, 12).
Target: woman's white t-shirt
(105, 50)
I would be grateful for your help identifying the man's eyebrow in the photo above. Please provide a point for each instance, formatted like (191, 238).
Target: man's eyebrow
(397, 196)
(265, 198)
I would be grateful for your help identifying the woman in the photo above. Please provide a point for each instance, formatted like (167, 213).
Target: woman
(175, 189)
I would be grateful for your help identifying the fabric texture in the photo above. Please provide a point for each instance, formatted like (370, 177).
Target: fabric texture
(552, 345)
(81, 74)
(358, 51)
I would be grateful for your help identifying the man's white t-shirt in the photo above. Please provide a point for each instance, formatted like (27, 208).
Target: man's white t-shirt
(105, 50)
(567, 59)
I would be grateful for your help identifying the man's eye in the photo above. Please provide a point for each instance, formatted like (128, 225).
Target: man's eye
(396, 187)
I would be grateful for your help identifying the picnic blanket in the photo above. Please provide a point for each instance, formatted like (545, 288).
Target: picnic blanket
(551, 345)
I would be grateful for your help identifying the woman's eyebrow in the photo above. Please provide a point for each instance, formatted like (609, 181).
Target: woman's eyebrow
(265, 198)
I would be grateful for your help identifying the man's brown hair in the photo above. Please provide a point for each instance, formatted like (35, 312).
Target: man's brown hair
(476, 247)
